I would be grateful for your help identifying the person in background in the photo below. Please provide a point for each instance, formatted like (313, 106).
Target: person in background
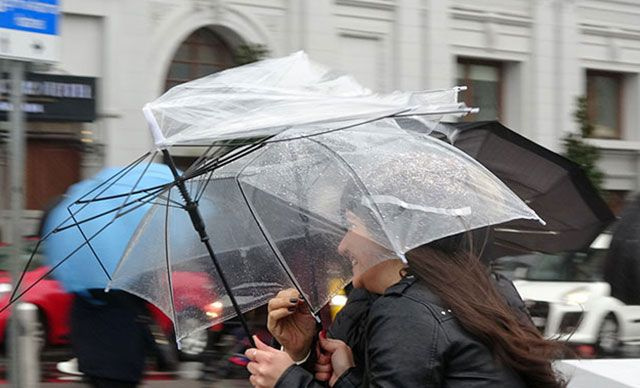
(109, 333)
(110, 338)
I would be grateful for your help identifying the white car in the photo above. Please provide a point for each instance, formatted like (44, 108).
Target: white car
(569, 301)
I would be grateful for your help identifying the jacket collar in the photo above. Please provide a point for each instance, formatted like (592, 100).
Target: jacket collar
(401, 286)
(410, 286)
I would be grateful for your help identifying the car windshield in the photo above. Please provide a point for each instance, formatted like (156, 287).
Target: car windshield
(572, 267)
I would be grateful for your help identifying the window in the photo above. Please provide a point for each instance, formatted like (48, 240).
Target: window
(604, 99)
(201, 54)
(484, 82)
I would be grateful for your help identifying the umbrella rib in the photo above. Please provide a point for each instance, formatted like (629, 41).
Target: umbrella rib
(213, 155)
(135, 185)
(116, 196)
(85, 203)
(84, 236)
(210, 164)
(200, 159)
(170, 203)
(117, 215)
(142, 199)
(275, 251)
(119, 175)
(204, 186)
(200, 187)
(122, 173)
(225, 159)
(272, 245)
(24, 271)
(50, 271)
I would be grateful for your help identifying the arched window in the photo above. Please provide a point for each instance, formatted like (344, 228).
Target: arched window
(202, 53)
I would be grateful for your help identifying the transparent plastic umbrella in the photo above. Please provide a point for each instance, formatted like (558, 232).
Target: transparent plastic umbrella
(277, 215)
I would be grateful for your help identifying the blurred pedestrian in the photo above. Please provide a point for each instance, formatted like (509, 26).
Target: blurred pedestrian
(110, 337)
(621, 268)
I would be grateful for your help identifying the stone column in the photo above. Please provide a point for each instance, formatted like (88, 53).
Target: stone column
(570, 77)
(543, 75)
(438, 64)
(319, 31)
(408, 57)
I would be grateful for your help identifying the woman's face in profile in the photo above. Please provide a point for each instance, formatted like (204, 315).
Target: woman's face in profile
(358, 246)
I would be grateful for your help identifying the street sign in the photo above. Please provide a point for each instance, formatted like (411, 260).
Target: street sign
(29, 30)
(52, 97)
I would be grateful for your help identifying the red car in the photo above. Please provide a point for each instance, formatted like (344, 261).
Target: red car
(49, 297)
(54, 304)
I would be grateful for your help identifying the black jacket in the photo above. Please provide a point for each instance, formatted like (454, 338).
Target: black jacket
(110, 336)
(432, 350)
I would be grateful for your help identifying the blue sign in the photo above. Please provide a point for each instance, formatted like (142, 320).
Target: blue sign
(39, 16)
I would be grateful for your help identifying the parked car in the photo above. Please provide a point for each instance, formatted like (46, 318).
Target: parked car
(569, 301)
(54, 303)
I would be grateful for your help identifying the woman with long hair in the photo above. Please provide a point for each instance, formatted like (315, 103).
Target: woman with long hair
(439, 322)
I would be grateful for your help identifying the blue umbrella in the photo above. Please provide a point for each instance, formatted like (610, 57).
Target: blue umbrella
(84, 243)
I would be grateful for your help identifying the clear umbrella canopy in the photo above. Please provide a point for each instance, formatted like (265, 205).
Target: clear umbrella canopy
(266, 97)
(276, 217)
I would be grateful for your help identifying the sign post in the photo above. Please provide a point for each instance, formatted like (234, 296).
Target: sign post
(28, 33)
(21, 373)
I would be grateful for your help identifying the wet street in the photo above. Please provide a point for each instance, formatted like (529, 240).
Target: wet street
(187, 375)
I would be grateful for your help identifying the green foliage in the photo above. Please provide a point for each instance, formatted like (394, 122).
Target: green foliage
(581, 117)
(578, 150)
(250, 52)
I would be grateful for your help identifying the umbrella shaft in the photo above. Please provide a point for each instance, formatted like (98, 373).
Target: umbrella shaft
(198, 223)
(196, 219)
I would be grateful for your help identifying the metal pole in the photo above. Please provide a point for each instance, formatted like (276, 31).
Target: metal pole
(28, 362)
(21, 370)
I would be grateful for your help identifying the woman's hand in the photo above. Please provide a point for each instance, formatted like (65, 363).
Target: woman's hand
(266, 364)
(323, 363)
(341, 359)
(291, 324)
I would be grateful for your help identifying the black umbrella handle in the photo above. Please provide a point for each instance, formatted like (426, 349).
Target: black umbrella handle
(198, 223)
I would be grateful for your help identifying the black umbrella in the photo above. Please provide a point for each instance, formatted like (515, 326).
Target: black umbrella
(552, 185)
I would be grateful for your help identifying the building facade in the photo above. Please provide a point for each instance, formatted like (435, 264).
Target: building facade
(525, 62)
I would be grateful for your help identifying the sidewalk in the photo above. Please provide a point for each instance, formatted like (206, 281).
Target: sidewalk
(166, 384)
(185, 377)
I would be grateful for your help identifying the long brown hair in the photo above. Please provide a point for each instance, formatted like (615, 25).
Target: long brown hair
(463, 283)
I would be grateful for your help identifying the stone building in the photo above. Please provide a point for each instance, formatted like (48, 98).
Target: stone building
(525, 62)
